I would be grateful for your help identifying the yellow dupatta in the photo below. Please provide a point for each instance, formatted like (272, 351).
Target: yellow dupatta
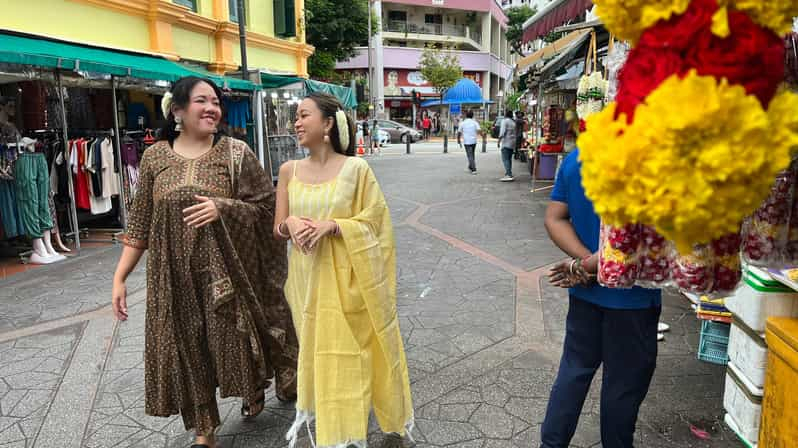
(352, 358)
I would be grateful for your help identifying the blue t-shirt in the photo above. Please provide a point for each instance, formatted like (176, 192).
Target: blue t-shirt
(568, 189)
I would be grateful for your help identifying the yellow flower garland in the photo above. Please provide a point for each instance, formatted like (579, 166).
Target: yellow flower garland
(700, 156)
(629, 18)
(774, 14)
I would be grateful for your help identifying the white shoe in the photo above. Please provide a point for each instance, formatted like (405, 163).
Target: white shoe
(507, 179)
(663, 327)
(660, 337)
(38, 259)
(474, 172)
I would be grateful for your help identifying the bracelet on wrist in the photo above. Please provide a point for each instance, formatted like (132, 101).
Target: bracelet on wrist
(280, 230)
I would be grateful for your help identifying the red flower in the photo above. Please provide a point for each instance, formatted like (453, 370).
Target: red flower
(644, 71)
(678, 33)
(752, 56)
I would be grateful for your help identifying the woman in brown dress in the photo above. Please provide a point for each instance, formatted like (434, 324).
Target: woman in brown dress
(216, 315)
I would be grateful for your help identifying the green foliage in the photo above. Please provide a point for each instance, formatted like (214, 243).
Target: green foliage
(486, 127)
(515, 26)
(512, 100)
(335, 28)
(441, 68)
(553, 37)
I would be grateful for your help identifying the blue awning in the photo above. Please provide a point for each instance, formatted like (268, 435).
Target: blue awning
(465, 91)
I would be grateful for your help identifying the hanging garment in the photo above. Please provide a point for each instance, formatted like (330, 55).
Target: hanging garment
(9, 211)
(33, 193)
(78, 164)
(216, 315)
(98, 203)
(343, 300)
(110, 178)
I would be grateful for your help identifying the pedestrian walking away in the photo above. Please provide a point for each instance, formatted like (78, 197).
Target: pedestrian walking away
(215, 316)
(469, 129)
(341, 285)
(507, 142)
(613, 328)
(426, 124)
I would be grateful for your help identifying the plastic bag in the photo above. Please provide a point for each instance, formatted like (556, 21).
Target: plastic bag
(770, 235)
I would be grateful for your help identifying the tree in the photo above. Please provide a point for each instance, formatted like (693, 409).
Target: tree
(335, 28)
(516, 16)
(442, 69)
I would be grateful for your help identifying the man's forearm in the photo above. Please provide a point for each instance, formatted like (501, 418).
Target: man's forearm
(562, 233)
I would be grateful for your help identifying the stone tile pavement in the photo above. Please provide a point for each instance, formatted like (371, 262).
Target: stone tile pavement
(483, 333)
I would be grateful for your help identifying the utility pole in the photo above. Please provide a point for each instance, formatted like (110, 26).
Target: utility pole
(242, 34)
(371, 71)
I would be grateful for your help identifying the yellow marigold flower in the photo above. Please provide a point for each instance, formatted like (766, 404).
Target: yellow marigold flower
(774, 14)
(700, 156)
(782, 112)
(629, 18)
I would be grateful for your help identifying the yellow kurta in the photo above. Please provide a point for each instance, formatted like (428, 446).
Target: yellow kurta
(343, 300)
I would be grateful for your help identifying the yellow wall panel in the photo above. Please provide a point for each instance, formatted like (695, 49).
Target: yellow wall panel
(261, 16)
(193, 45)
(269, 59)
(76, 21)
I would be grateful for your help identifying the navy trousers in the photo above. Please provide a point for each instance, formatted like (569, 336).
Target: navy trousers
(625, 342)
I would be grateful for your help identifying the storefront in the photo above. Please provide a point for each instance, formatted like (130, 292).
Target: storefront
(85, 115)
(278, 101)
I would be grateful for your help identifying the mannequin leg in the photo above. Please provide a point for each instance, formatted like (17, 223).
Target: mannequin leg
(39, 248)
(48, 245)
(40, 255)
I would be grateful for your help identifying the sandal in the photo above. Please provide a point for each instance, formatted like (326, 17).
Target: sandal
(254, 409)
(285, 400)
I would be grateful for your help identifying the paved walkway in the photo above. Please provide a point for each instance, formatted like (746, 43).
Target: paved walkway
(483, 332)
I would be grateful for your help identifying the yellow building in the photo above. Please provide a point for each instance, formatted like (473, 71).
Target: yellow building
(197, 31)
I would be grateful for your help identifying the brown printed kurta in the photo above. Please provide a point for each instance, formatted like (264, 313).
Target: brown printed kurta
(216, 313)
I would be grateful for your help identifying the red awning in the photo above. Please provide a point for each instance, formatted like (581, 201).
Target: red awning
(555, 14)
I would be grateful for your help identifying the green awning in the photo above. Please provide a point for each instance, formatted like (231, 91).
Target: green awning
(346, 95)
(54, 54)
(269, 81)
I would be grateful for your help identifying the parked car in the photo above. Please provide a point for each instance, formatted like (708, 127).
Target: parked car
(384, 136)
(399, 133)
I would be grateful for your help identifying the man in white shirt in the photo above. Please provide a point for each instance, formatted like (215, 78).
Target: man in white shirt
(469, 129)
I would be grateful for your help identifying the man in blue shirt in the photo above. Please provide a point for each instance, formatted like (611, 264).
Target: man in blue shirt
(610, 327)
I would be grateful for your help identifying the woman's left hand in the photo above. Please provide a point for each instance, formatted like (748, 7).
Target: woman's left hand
(201, 214)
(318, 230)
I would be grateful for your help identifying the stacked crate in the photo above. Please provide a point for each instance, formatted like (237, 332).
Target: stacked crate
(758, 298)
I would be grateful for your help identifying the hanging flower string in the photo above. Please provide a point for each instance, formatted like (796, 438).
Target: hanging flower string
(698, 132)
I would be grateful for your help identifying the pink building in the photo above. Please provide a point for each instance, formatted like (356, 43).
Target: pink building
(475, 28)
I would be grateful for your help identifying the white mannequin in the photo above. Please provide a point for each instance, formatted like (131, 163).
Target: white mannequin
(43, 251)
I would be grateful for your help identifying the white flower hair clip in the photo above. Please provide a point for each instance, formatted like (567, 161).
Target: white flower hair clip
(343, 128)
(166, 104)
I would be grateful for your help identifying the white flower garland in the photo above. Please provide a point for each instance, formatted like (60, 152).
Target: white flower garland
(343, 128)
(166, 104)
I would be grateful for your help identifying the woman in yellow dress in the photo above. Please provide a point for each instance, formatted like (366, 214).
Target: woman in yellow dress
(341, 285)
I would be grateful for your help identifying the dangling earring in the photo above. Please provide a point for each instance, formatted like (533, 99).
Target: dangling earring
(178, 124)
(326, 137)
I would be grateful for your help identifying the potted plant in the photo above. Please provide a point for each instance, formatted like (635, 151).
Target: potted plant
(485, 127)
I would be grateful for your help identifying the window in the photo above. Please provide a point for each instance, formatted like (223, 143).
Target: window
(233, 5)
(399, 16)
(284, 18)
(190, 4)
(436, 19)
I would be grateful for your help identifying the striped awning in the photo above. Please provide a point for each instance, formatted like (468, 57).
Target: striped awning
(551, 50)
(556, 13)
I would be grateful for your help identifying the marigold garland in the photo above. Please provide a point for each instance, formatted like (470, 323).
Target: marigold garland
(774, 14)
(629, 18)
(699, 157)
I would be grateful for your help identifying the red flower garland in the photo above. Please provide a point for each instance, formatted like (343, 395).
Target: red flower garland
(751, 56)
